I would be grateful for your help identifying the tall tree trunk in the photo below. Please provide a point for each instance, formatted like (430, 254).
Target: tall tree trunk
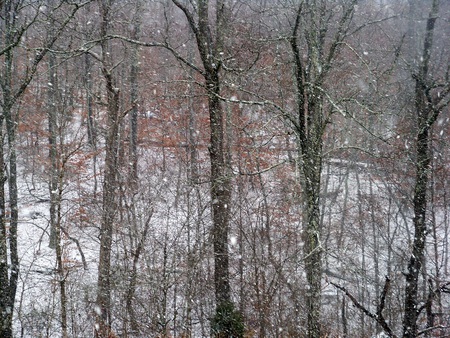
(92, 134)
(131, 322)
(10, 286)
(312, 167)
(108, 213)
(52, 112)
(56, 186)
(210, 47)
(5, 310)
(427, 112)
(309, 132)
(103, 308)
(91, 129)
(309, 125)
(220, 197)
(6, 306)
(13, 203)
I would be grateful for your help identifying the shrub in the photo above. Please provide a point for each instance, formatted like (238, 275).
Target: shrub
(227, 322)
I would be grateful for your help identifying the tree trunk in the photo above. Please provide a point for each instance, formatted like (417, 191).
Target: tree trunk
(221, 198)
(309, 123)
(6, 307)
(103, 306)
(133, 98)
(312, 167)
(56, 187)
(108, 214)
(211, 51)
(309, 132)
(426, 116)
(10, 286)
(52, 139)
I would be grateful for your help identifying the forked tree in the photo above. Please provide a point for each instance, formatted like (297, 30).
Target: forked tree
(431, 98)
(315, 43)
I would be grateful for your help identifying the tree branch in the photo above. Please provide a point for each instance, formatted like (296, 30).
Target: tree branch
(165, 45)
(378, 316)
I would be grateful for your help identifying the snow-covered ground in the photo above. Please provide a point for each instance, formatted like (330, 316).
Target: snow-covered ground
(366, 236)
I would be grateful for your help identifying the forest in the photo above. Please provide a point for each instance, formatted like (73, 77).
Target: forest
(224, 168)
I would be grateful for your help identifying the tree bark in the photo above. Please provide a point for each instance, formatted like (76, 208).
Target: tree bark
(210, 49)
(10, 279)
(56, 187)
(309, 139)
(134, 70)
(309, 126)
(426, 115)
(6, 306)
(103, 306)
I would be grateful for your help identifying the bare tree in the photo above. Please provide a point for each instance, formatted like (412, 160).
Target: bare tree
(431, 97)
(430, 94)
(109, 205)
(13, 86)
(209, 36)
(312, 65)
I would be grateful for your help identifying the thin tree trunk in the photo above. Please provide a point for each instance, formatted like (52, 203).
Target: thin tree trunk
(8, 102)
(91, 129)
(309, 130)
(5, 301)
(133, 174)
(133, 98)
(313, 249)
(52, 139)
(59, 257)
(6, 306)
(220, 194)
(108, 215)
(56, 187)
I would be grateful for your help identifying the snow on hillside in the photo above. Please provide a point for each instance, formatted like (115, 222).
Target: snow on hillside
(361, 241)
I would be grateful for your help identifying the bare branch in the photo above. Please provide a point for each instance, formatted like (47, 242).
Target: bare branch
(165, 45)
(40, 54)
(429, 329)
(378, 316)
(262, 171)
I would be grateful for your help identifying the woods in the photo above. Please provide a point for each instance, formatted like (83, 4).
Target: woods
(222, 168)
